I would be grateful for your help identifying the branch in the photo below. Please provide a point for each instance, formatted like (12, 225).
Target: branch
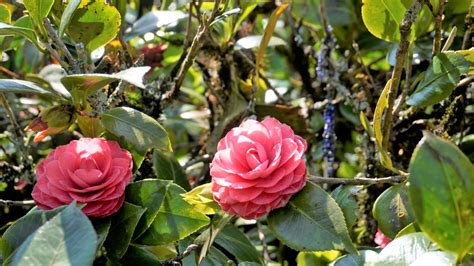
(186, 253)
(53, 35)
(17, 202)
(405, 30)
(397, 179)
(438, 22)
(193, 49)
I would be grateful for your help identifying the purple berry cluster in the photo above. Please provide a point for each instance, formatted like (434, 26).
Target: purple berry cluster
(329, 138)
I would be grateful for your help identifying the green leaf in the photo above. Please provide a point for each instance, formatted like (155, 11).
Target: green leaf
(237, 244)
(202, 200)
(409, 229)
(345, 198)
(67, 15)
(437, 257)
(250, 42)
(383, 18)
(67, 239)
(167, 167)
(311, 210)
(139, 129)
(94, 24)
(122, 228)
(90, 83)
(39, 10)
(441, 192)
(16, 30)
(393, 211)
(364, 121)
(148, 194)
(5, 14)
(137, 255)
(366, 257)
(440, 79)
(20, 86)
(102, 228)
(457, 6)
(138, 157)
(176, 219)
(317, 258)
(404, 250)
(25, 226)
(382, 104)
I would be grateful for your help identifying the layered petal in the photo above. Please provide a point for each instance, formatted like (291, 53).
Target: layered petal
(258, 166)
(93, 172)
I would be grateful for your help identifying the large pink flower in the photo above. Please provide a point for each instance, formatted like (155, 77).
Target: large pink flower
(381, 240)
(91, 171)
(257, 168)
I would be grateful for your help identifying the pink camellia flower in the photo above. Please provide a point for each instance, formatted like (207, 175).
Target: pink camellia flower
(381, 240)
(257, 168)
(91, 171)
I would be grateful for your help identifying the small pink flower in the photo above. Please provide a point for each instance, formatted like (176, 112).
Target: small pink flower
(381, 240)
(257, 168)
(91, 171)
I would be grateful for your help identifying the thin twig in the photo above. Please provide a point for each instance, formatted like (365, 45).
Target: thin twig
(359, 56)
(406, 88)
(18, 132)
(405, 30)
(9, 72)
(17, 202)
(206, 158)
(438, 29)
(193, 49)
(126, 52)
(53, 35)
(397, 179)
(261, 237)
(181, 256)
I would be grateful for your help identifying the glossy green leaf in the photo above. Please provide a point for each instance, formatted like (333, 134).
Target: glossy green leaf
(122, 228)
(201, 198)
(167, 167)
(345, 198)
(365, 258)
(23, 227)
(441, 192)
(236, 243)
(95, 23)
(175, 220)
(20, 86)
(90, 83)
(393, 211)
(383, 18)
(16, 30)
(56, 242)
(311, 210)
(66, 17)
(39, 10)
(148, 194)
(404, 250)
(5, 15)
(435, 258)
(214, 256)
(137, 255)
(139, 129)
(409, 229)
(382, 104)
(440, 79)
(102, 228)
(317, 258)
(457, 6)
(138, 157)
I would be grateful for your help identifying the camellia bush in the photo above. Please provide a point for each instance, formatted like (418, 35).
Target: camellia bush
(231, 132)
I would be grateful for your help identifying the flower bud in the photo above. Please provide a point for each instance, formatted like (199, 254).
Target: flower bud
(52, 121)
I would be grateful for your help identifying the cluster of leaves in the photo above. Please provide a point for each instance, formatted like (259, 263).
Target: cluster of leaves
(249, 59)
